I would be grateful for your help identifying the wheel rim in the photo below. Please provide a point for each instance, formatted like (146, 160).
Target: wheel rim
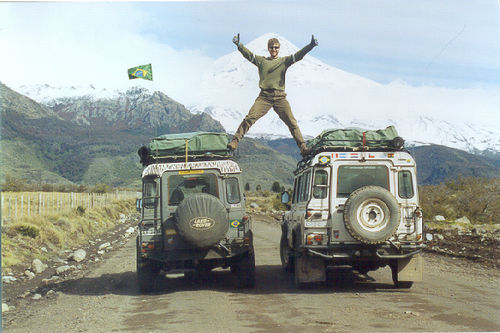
(373, 215)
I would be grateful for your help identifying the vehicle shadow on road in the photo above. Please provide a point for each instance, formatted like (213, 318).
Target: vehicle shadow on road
(270, 279)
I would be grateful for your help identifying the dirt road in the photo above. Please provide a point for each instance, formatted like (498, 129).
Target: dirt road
(455, 296)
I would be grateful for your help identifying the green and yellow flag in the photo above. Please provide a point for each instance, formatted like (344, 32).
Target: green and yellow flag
(141, 72)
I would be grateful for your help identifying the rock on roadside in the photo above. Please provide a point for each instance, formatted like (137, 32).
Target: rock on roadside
(37, 266)
(78, 255)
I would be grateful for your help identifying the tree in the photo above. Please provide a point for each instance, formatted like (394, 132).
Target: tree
(276, 187)
(258, 188)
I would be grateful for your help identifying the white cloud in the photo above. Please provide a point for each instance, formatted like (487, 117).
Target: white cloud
(66, 48)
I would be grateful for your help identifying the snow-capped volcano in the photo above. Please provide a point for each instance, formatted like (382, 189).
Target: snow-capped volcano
(47, 94)
(325, 97)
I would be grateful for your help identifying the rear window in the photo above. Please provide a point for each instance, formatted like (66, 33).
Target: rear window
(352, 177)
(180, 187)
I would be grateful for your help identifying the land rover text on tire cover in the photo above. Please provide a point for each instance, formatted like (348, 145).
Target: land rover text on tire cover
(355, 202)
(193, 210)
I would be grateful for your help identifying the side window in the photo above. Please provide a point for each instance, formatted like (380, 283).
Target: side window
(320, 184)
(295, 190)
(150, 198)
(304, 190)
(150, 193)
(233, 191)
(405, 184)
(300, 185)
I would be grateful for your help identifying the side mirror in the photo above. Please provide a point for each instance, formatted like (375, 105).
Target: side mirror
(138, 204)
(285, 197)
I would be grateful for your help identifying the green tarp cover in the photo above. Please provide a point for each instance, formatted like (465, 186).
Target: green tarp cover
(353, 137)
(198, 143)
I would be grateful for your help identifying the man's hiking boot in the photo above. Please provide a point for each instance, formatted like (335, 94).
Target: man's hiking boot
(233, 144)
(304, 151)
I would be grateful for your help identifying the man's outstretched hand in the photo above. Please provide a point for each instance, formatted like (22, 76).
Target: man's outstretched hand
(236, 39)
(314, 41)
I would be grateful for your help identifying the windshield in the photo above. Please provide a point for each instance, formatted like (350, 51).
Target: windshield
(352, 177)
(180, 187)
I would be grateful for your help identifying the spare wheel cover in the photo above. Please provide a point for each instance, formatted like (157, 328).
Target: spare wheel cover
(201, 220)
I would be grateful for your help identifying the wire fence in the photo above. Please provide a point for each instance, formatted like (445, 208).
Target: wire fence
(16, 205)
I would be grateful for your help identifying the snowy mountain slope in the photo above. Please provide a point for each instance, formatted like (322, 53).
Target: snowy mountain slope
(324, 97)
(135, 108)
(48, 95)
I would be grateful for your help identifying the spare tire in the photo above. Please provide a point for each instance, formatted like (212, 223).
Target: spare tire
(201, 220)
(371, 214)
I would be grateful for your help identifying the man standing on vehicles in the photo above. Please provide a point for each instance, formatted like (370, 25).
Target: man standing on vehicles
(272, 72)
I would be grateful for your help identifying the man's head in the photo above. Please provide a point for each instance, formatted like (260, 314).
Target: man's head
(273, 46)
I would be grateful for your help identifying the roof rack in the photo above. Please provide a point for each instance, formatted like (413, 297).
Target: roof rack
(302, 163)
(148, 157)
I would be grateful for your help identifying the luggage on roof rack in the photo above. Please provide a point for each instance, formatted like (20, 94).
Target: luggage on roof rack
(193, 146)
(357, 139)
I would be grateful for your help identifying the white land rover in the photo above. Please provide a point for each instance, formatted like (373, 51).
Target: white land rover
(356, 207)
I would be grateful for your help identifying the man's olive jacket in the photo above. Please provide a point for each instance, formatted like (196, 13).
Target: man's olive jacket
(272, 71)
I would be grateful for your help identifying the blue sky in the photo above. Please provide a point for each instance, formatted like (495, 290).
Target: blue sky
(447, 43)
(450, 43)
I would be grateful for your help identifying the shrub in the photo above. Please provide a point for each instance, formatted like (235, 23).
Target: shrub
(476, 198)
(28, 230)
(80, 210)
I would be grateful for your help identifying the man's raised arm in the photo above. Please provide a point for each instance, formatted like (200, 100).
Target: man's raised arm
(301, 53)
(243, 50)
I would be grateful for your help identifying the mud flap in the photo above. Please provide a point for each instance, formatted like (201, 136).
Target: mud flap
(411, 269)
(310, 269)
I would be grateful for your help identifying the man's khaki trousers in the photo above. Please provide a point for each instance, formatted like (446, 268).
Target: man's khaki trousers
(266, 100)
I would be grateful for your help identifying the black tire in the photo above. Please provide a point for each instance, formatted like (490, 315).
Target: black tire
(146, 275)
(371, 214)
(286, 255)
(297, 256)
(201, 220)
(244, 270)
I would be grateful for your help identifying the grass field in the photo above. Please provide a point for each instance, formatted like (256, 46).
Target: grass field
(44, 224)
